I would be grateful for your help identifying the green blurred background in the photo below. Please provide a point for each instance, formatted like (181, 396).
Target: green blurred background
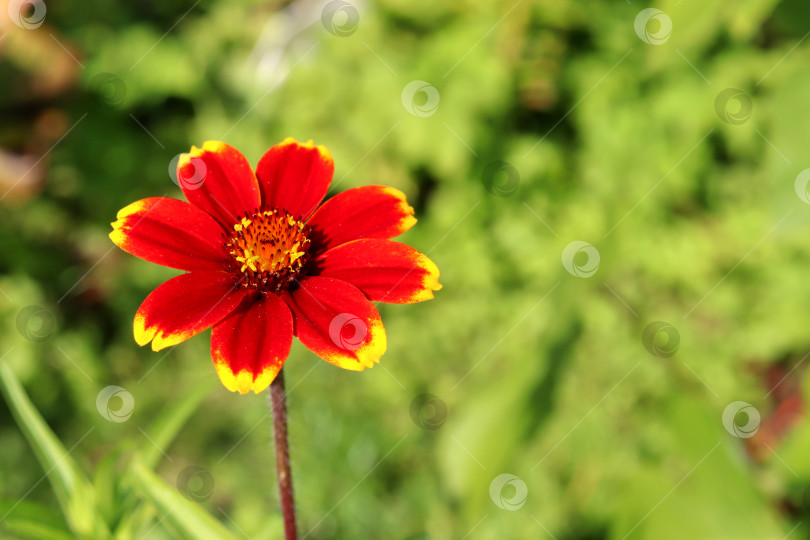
(670, 144)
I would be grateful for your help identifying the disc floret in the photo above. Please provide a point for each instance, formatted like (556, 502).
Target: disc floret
(268, 249)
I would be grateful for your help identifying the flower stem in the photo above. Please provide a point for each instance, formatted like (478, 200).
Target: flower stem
(278, 404)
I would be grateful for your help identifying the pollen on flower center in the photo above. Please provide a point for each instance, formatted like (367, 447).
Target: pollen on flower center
(268, 248)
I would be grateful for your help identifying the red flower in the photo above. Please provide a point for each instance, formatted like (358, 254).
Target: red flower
(267, 261)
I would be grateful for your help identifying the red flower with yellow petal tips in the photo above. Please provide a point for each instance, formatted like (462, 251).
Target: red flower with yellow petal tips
(266, 261)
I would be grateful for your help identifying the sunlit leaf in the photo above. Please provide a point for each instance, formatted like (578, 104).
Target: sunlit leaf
(28, 519)
(73, 490)
(168, 424)
(188, 517)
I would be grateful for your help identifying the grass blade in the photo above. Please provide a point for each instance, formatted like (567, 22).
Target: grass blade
(166, 427)
(187, 517)
(73, 490)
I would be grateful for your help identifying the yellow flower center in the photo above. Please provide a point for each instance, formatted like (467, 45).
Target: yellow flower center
(268, 248)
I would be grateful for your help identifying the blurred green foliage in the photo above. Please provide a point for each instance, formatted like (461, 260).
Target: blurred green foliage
(616, 142)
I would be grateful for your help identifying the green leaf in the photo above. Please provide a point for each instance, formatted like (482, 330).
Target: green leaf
(105, 480)
(168, 424)
(35, 530)
(187, 517)
(28, 519)
(161, 432)
(73, 490)
(134, 520)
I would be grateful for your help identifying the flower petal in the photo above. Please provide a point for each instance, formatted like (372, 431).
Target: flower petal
(295, 176)
(218, 179)
(184, 306)
(385, 271)
(334, 320)
(363, 212)
(251, 344)
(170, 232)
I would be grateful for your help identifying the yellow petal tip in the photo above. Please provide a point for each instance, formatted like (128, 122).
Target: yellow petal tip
(244, 381)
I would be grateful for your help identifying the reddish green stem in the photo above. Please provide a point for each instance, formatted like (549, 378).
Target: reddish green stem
(278, 404)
